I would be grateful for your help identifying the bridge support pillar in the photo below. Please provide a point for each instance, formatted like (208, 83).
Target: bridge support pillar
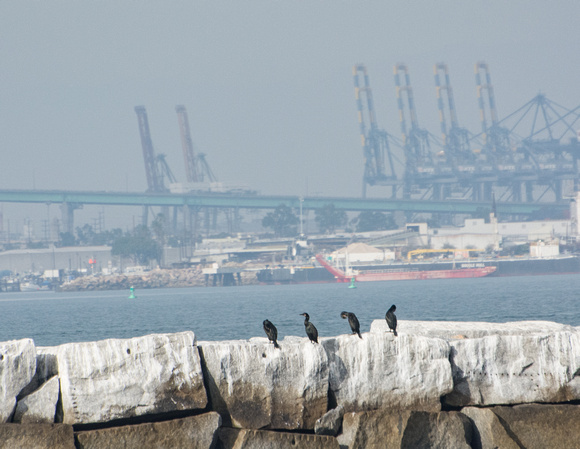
(67, 210)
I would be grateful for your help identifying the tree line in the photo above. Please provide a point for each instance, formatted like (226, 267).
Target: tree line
(144, 244)
(284, 222)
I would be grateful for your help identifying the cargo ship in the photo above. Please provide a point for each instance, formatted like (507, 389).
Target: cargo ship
(402, 274)
(504, 266)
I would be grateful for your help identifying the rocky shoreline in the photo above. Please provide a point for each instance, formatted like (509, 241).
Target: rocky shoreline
(436, 385)
(157, 278)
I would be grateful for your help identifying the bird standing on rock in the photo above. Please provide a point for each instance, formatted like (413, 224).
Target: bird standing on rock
(271, 332)
(352, 321)
(392, 319)
(310, 329)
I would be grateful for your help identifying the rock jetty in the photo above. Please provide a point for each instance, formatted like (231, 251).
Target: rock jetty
(436, 385)
(158, 278)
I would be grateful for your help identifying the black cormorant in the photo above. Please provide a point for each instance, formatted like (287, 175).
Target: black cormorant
(392, 319)
(310, 329)
(352, 321)
(271, 332)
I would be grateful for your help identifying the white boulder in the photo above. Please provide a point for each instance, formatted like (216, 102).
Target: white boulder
(46, 367)
(470, 329)
(113, 379)
(505, 363)
(39, 406)
(254, 385)
(17, 367)
(384, 371)
(514, 369)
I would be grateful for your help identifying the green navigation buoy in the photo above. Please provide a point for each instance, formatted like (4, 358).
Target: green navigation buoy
(132, 295)
(352, 283)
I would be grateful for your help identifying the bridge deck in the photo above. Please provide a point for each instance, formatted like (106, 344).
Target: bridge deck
(268, 202)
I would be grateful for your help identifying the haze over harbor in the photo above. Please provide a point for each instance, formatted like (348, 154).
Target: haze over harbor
(268, 85)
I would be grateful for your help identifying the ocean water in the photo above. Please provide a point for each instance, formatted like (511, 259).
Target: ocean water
(227, 313)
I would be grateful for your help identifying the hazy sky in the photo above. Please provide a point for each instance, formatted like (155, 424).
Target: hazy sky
(267, 84)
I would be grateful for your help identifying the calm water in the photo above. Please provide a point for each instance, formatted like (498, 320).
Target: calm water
(237, 312)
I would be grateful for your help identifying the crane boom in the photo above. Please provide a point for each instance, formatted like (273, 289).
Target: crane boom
(154, 183)
(482, 67)
(379, 168)
(410, 99)
(187, 145)
(455, 138)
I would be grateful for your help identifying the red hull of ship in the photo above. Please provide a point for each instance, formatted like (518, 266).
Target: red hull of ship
(407, 275)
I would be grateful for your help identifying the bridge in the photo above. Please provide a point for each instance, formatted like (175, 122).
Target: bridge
(72, 199)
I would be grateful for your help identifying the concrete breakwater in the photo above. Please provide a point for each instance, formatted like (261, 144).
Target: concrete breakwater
(438, 384)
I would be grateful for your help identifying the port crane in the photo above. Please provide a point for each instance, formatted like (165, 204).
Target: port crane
(531, 155)
(378, 157)
(422, 171)
(154, 179)
(187, 144)
(455, 138)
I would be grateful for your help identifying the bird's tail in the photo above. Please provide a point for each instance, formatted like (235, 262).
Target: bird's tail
(359, 335)
(395, 332)
(276, 345)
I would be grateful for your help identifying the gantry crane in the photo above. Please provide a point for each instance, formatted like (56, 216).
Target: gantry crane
(475, 176)
(455, 138)
(540, 126)
(156, 168)
(187, 145)
(422, 175)
(496, 138)
(514, 169)
(415, 140)
(198, 170)
(375, 141)
(154, 181)
(521, 158)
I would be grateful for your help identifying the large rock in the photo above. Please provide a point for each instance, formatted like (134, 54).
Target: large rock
(377, 429)
(254, 385)
(196, 432)
(46, 367)
(437, 431)
(36, 436)
(514, 369)
(113, 379)
(261, 439)
(471, 329)
(506, 363)
(541, 426)
(17, 366)
(488, 431)
(330, 422)
(39, 406)
(384, 371)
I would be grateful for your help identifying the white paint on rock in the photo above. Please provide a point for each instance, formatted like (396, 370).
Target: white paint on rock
(111, 379)
(17, 367)
(254, 385)
(382, 371)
